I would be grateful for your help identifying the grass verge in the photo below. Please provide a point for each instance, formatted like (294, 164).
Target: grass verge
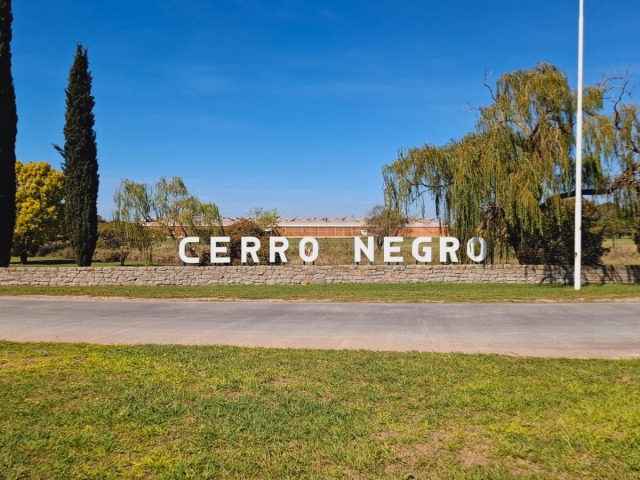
(409, 293)
(141, 412)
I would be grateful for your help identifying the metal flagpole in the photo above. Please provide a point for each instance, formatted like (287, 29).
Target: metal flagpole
(577, 268)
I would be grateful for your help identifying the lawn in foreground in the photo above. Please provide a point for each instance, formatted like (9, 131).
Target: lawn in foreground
(409, 293)
(85, 411)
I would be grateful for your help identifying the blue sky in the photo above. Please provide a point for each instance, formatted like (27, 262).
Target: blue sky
(289, 104)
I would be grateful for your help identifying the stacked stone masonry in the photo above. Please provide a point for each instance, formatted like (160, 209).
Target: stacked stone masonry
(308, 274)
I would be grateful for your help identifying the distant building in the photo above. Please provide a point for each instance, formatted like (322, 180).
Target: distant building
(336, 227)
(349, 227)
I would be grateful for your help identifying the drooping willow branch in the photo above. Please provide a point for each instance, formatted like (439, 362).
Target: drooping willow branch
(519, 163)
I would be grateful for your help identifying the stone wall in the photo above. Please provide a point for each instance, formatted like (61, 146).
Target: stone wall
(308, 274)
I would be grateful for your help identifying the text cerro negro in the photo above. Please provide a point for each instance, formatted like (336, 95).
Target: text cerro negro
(308, 249)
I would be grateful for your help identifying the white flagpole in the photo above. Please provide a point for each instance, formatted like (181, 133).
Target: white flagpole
(577, 268)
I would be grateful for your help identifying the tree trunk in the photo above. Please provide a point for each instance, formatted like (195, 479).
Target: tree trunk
(23, 258)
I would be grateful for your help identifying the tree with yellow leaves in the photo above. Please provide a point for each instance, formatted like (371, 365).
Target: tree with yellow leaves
(38, 207)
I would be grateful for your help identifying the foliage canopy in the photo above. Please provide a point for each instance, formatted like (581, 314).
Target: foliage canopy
(383, 222)
(80, 161)
(181, 213)
(142, 211)
(505, 180)
(267, 219)
(8, 132)
(249, 227)
(38, 206)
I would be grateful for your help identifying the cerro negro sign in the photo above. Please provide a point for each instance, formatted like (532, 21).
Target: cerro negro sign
(309, 249)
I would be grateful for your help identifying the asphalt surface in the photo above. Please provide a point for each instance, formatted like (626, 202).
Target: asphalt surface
(605, 330)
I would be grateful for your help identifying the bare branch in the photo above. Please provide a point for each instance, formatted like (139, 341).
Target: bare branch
(475, 109)
(486, 84)
(60, 150)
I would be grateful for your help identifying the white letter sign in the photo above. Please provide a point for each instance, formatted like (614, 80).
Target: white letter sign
(425, 255)
(249, 245)
(359, 248)
(278, 245)
(389, 248)
(449, 246)
(313, 255)
(183, 246)
(471, 249)
(215, 250)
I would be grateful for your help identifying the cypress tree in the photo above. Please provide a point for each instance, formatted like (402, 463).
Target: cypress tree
(80, 162)
(8, 132)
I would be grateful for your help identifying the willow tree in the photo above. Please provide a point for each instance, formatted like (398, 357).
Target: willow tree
(617, 138)
(145, 213)
(181, 213)
(514, 171)
(128, 230)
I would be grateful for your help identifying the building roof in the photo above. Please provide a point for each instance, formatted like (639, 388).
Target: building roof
(355, 222)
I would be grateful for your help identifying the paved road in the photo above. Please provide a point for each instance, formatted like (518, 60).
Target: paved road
(554, 330)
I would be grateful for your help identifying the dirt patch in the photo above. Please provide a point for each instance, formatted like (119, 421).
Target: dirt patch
(282, 381)
(470, 451)
(476, 455)
(521, 467)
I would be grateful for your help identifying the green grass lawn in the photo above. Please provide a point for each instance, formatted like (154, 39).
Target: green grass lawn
(145, 412)
(628, 241)
(411, 293)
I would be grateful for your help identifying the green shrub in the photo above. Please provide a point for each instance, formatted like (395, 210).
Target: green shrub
(554, 245)
(246, 227)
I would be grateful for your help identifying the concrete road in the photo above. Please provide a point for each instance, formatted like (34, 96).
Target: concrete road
(610, 330)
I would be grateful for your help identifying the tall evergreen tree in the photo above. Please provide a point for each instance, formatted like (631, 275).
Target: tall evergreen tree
(80, 162)
(8, 132)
